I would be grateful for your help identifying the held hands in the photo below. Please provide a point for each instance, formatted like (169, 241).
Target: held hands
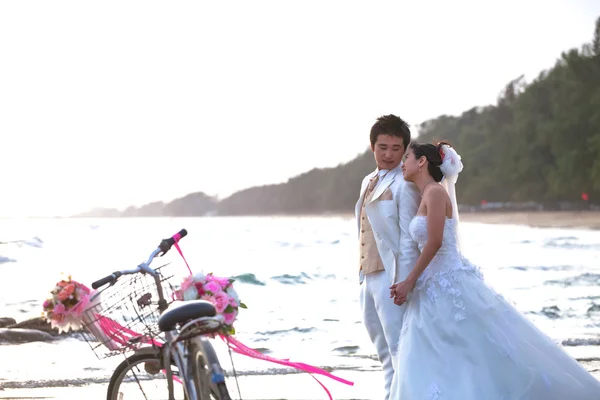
(401, 291)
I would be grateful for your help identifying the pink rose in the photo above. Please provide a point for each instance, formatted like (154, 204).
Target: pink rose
(212, 287)
(199, 288)
(47, 303)
(224, 282)
(229, 318)
(232, 302)
(59, 309)
(221, 301)
(70, 289)
(63, 295)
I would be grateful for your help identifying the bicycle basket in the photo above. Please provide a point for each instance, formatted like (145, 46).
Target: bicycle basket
(125, 315)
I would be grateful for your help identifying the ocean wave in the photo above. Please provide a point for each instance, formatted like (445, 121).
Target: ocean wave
(594, 308)
(250, 279)
(296, 329)
(361, 356)
(262, 350)
(6, 260)
(588, 359)
(581, 342)
(347, 349)
(33, 242)
(585, 298)
(552, 312)
(328, 276)
(570, 242)
(587, 279)
(288, 279)
(542, 268)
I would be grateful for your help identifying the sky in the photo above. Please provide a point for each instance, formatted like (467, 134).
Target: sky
(118, 103)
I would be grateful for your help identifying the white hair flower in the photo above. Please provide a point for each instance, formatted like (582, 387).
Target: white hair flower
(451, 163)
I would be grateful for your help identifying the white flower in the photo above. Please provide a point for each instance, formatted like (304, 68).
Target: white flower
(199, 277)
(231, 292)
(452, 164)
(191, 293)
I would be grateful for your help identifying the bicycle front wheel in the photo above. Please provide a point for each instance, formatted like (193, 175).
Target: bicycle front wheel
(142, 376)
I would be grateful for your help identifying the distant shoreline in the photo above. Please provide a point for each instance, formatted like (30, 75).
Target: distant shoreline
(541, 219)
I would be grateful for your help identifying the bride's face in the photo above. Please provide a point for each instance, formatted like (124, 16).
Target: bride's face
(410, 167)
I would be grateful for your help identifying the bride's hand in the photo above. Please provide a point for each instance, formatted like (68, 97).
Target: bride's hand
(401, 291)
(393, 290)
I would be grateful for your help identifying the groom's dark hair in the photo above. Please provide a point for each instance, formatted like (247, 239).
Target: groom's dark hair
(390, 125)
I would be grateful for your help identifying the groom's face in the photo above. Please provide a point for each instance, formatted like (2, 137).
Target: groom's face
(388, 151)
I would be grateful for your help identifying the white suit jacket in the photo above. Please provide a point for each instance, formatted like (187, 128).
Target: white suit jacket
(389, 220)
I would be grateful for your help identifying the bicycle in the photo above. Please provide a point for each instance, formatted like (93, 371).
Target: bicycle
(129, 320)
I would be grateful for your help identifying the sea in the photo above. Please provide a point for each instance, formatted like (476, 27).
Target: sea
(297, 275)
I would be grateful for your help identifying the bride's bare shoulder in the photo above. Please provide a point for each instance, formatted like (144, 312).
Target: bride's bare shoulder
(436, 191)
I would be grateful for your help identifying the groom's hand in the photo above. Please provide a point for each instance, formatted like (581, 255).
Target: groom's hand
(402, 291)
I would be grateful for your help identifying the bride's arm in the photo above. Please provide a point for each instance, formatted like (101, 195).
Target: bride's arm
(436, 215)
(408, 251)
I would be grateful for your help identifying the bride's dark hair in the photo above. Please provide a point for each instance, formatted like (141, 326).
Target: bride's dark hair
(433, 154)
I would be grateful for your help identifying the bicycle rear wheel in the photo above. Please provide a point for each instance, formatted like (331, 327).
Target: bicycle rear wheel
(142, 376)
(206, 370)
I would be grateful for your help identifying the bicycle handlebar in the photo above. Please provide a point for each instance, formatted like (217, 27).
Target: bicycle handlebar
(164, 246)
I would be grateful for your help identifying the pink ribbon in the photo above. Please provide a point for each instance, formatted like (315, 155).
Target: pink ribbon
(118, 333)
(184, 260)
(177, 238)
(122, 336)
(241, 348)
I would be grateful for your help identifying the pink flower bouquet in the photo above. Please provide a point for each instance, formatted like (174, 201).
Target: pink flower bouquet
(218, 291)
(65, 308)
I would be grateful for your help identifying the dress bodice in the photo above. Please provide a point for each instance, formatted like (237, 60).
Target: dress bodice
(418, 231)
(440, 273)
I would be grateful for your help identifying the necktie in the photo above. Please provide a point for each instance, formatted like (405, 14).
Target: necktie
(372, 184)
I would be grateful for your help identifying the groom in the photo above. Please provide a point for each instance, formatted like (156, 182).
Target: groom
(386, 205)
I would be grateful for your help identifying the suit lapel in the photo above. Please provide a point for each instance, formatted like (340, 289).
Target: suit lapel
(363, 189)
(387, 181)
(359, 203)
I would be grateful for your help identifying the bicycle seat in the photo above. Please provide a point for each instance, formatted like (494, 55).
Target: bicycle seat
(183, 311)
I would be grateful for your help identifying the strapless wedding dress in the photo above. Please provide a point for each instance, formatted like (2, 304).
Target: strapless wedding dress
(461, 340)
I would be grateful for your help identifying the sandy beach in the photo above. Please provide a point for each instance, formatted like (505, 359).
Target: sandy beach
(257, 387)
(542, 219)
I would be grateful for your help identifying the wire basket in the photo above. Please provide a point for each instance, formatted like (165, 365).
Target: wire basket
(124, 316)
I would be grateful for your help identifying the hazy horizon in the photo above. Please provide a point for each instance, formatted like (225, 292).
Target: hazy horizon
(118, 104)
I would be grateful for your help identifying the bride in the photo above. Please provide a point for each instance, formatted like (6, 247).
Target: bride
(461, 340)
